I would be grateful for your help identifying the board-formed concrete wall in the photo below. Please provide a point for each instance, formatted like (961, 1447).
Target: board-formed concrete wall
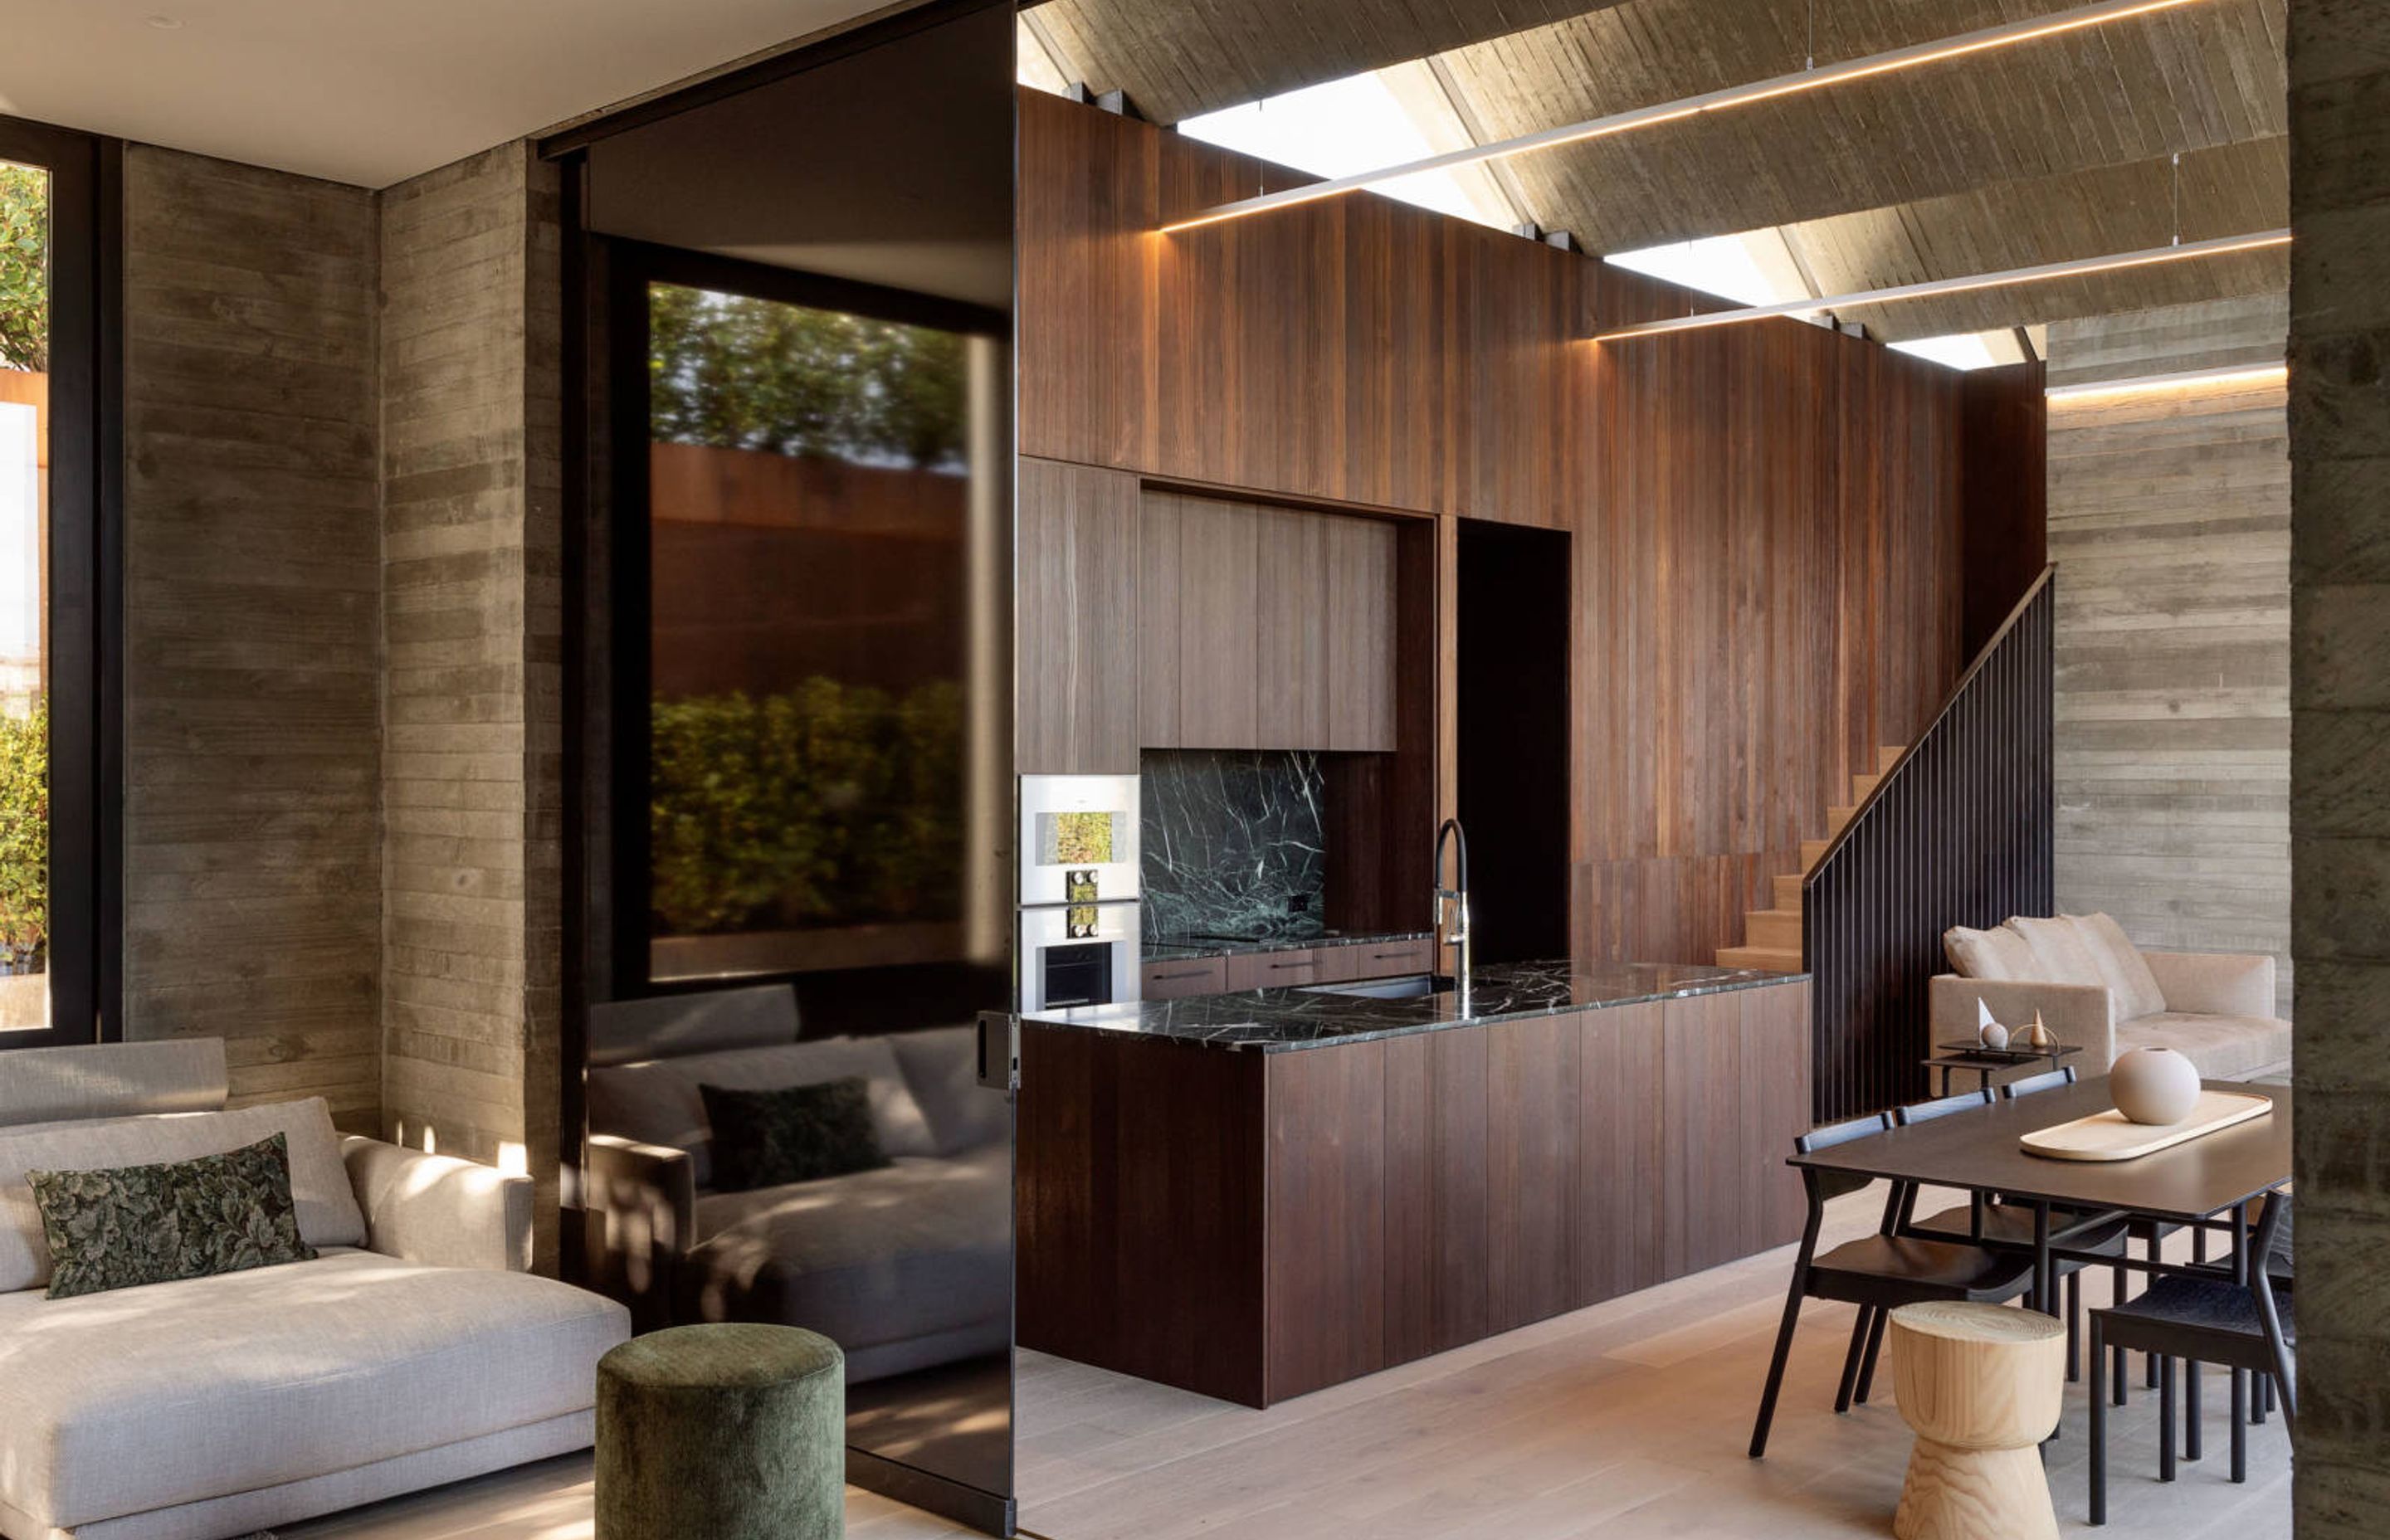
(2340, 754)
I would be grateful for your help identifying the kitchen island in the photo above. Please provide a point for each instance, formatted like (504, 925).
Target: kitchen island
(1257, 1195)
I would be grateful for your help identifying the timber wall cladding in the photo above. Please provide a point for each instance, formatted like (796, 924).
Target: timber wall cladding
(472, 928)
(1767, 518)
(251, 625)
(2171, 512)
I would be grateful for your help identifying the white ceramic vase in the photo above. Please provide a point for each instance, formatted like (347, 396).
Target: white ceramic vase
(2153, 1085)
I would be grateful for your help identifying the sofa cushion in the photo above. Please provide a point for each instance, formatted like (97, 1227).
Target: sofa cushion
(792, 1133)
(2059, 954)
(143, 1398)
(326, 1205)
(658, 1102)
(1998, 954)
(919, 1248)
(941, 1067)
(2131, 983)
(2224, 1048)
(182, 1219)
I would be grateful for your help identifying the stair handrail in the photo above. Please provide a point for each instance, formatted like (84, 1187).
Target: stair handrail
(1950, 702)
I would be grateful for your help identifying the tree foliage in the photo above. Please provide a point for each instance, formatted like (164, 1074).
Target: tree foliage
(740, 373)
(832, 805)
(24, 268)
(25, 836)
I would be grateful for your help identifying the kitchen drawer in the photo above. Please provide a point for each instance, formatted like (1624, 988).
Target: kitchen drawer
(1176, 978)
(1273, 969)
(1387, 960)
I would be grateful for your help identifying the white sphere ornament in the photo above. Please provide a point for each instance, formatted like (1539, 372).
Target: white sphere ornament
(2153, 1085)
(1995, 1036)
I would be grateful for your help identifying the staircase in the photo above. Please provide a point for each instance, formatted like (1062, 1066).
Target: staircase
(1771, 938)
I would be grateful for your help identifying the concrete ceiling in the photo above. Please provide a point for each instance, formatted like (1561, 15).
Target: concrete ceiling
(2056, 149)
(365, 91)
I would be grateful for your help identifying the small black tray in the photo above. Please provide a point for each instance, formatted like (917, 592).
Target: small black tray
(1977, 1050)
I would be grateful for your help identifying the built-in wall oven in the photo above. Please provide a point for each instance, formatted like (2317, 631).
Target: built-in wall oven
(1078, 854)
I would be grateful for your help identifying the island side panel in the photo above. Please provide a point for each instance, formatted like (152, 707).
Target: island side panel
(1619, 1181)
(1704, 1151)
(1436, 1191)
(1140, 1206)
(1532, 1166)
(1774, 1071)
(1326, 1248)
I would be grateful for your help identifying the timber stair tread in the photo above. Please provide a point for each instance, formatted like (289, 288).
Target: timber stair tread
(1772, 937)
(1773, 959)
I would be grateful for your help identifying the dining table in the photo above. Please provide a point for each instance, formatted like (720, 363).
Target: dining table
(2208, 1182)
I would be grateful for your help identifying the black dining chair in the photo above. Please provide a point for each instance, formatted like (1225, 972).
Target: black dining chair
(2003, 1224)
(1877, 1273)
(2203, 1317)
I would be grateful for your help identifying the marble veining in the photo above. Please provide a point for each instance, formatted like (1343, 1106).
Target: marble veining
(1233, 844)
(1275, 1020)
(1168, 948)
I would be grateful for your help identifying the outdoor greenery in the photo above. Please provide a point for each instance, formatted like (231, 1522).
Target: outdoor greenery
(24, 840)
(833, 804)
(738, 373)
(24, 268)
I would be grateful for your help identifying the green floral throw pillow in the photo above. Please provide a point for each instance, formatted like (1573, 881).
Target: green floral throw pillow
(182, 1219)
(798, 1134)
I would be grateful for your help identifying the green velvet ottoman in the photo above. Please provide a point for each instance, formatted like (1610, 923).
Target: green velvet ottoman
(725, 1432)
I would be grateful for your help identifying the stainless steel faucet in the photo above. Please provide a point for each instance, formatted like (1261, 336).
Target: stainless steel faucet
(1453, 902)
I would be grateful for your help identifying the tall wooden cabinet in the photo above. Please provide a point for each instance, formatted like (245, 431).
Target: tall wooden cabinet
(1076, 615)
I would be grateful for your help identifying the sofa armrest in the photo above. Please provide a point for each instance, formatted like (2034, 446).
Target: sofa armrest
(642, 1219)
(2080, 1014)
(438, 1209)
(2214, 984)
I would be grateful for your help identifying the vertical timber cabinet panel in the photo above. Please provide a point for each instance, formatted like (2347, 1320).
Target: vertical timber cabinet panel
(1775, 1063)
(1360, 635)
(1532, 1105)
(1218, 644)
(1078, 620)
(1291, 675)
(1325, 1240)
(1157, 622)
(1436, 1187)
(1703, 1150)
(1619, 1183)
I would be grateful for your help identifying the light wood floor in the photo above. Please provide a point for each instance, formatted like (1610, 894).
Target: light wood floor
(1624, 1421)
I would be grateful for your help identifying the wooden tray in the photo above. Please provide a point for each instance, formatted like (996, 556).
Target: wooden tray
(2111, 1135)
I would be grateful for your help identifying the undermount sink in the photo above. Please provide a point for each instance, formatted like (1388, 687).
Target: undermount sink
(1379, 989)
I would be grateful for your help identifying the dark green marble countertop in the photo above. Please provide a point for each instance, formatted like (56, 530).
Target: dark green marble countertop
(1277, 1021)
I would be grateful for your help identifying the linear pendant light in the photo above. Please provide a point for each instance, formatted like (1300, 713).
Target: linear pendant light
(2188, 252)
(2004, 36)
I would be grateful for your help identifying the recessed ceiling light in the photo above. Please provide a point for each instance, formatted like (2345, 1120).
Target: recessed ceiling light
(163, 23)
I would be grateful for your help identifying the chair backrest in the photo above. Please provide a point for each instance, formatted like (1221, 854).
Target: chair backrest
(1840, 1133)
(2034, 1085)
(1926, 1111)
(112, 1080)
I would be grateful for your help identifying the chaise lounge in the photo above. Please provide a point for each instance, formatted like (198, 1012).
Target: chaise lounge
(414, 1350)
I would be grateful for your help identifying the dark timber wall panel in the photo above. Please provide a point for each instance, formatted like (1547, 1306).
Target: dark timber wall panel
(1767, 517)
(251, 858)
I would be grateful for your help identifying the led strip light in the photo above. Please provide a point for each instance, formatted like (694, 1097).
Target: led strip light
(2240, 374)
(1910, 57)
(2186, 251)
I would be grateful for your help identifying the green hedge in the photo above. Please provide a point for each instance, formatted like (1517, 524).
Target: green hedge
(833, 804)
(24, 838)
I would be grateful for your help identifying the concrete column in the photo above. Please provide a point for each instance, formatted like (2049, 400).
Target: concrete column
(2340, 753)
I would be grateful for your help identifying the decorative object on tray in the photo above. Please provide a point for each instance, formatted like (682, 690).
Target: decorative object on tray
(1990, 1033)
(2114, 1137)
(2038, 1037)
(2157, 1086)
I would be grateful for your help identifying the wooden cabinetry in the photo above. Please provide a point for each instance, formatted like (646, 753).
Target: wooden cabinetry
(1379, 1202)
(1360, 633)
(1178, 978)
(1264, 627)
(1076, 611)
(1274, 971)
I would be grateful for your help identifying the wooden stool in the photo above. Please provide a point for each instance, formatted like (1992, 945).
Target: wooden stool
(1981, 1384)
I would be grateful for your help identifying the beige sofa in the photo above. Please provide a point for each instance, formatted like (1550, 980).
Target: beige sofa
(416, 1350)
(2093, 987)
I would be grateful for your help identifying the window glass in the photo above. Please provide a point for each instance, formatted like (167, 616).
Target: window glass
(24, 610)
